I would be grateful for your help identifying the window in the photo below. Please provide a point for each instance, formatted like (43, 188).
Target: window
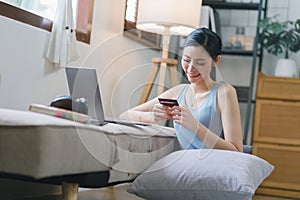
(131, 10)
(40, 13)
(42, 8)
(130, 30)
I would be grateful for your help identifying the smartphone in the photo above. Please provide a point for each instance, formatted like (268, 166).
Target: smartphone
(168, 102)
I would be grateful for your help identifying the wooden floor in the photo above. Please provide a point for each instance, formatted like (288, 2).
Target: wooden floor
(119, 192)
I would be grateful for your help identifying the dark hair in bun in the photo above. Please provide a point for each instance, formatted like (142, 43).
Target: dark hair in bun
(206, 38)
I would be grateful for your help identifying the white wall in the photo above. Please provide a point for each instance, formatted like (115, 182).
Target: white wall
(25, 77)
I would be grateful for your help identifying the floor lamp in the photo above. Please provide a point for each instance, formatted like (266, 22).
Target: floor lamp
(166, 17)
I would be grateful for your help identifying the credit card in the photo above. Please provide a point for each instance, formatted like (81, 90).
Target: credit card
(168, 102)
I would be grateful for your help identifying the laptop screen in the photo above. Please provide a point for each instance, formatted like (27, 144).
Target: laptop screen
(83, 82)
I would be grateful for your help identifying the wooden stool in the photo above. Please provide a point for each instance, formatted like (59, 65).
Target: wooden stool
(161, 64)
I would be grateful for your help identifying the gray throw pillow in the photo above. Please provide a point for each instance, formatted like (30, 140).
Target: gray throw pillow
(202, 174)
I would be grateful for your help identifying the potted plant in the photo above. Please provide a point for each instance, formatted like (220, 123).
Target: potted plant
(281, 38)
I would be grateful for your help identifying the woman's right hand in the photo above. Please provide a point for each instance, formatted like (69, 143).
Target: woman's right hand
(160, 113)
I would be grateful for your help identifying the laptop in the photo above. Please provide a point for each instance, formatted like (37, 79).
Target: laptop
(83, 82)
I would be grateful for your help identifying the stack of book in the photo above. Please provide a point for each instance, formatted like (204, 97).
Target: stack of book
(59, 112)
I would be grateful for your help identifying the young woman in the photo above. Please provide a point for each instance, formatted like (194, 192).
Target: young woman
(208, 114)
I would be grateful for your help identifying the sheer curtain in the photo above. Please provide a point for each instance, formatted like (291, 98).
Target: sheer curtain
(62, 48)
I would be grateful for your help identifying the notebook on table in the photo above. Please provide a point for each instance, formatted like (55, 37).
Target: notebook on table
(83, 82)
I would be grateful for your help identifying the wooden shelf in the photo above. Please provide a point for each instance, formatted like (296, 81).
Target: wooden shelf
(237, 52)
(233, 5)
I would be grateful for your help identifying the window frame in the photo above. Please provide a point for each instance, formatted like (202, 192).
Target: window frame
(150, 39)
(84, 14)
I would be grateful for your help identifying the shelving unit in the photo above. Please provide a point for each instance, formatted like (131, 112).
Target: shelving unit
(246, 94)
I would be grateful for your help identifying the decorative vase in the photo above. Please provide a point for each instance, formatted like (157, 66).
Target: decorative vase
(286, 68)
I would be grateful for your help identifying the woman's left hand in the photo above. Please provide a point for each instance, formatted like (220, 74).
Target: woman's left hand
(181, 115)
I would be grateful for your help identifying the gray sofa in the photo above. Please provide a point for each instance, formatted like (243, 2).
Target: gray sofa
(40, 148)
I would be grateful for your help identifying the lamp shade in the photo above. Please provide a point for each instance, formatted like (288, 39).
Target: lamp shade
(168, 17)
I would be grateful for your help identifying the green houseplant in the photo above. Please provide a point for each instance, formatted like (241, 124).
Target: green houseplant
(281, 38)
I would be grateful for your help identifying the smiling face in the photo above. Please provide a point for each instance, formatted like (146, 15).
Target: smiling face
(196, 63)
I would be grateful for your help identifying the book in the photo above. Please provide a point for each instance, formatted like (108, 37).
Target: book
(207, 18)
(61, 113)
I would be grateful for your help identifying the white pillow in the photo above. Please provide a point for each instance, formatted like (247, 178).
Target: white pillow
(202, 174)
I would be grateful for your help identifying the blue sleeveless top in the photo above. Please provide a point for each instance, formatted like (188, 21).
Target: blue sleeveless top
(207, 114)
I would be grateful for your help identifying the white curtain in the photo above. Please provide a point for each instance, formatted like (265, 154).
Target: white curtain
(62, 46)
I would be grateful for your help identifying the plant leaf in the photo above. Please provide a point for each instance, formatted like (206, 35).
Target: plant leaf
(279, 37)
